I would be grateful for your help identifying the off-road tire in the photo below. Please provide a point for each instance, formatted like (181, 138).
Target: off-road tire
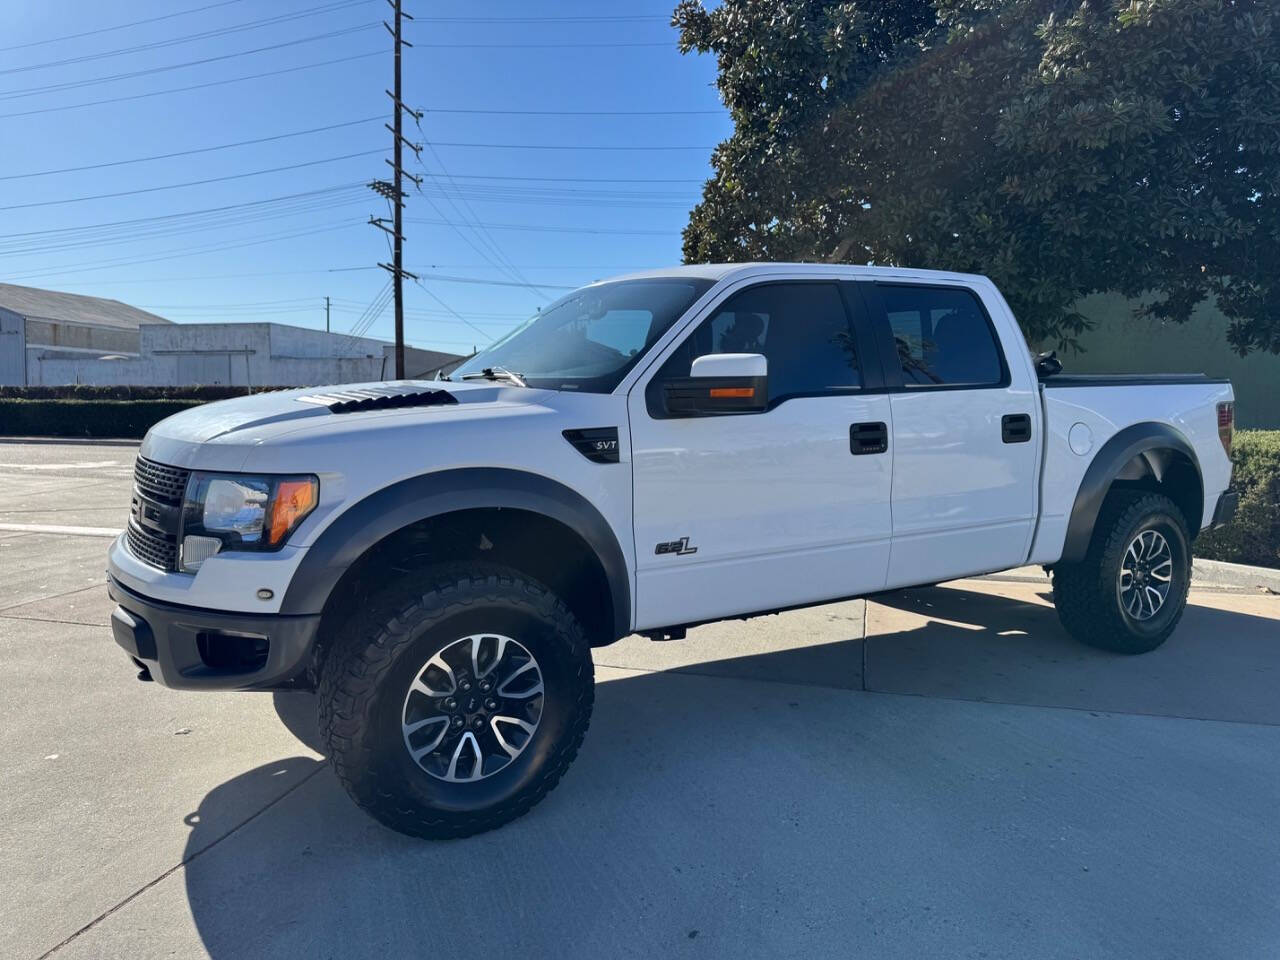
(378, 652)
(1087, 595)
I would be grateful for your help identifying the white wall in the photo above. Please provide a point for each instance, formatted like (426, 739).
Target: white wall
(233, 354)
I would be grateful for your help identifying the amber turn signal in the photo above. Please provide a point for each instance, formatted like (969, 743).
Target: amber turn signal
(745, 393)
(293, 500)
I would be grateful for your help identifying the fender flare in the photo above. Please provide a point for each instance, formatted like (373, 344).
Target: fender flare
(382, 513)
(1139, 439)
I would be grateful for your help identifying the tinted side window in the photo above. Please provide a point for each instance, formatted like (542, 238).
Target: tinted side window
(942, 336)
(801, 328)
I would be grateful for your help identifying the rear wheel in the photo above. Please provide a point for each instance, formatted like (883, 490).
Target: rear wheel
(1128, 593)
(457, 701)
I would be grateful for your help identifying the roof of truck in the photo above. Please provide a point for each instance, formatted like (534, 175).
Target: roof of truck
(721, 271)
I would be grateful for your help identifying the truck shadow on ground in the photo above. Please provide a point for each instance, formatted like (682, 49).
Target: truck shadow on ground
(971, 644)
(718, 815)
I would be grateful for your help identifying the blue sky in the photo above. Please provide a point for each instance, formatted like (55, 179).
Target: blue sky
(224, 254)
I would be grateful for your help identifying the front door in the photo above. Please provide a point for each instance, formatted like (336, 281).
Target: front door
(758, 511)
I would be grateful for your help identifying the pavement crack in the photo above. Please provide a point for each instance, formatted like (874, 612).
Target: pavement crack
(178, 866)
(72, 623)
(866, 642)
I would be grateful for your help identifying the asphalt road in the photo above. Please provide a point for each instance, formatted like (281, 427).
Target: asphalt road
(939, 772)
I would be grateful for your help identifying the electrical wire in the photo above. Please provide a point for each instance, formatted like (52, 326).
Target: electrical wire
(119, 26)
(194, 86)
(188, 153)
(190, 183)
(545, 228)
(474, 220)
(189, 38)
(151, 71)
(123, 262)
(579, 113)
(453, 312)
(560, 146)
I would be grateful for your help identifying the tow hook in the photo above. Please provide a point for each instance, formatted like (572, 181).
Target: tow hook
(144, 672)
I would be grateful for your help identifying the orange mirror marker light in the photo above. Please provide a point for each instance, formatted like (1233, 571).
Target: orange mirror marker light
(293, 500)
(744, 392)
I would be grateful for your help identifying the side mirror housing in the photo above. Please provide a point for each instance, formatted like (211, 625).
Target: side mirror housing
(720, 383)
(1047, 364)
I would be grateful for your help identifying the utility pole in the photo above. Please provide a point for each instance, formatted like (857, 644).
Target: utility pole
(326, 314)
(394, 191)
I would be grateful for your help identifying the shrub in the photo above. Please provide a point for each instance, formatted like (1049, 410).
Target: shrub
(85, 418)
(91, 392)
(1254, 536)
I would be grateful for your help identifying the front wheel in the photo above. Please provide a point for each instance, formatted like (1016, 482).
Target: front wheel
(1128, 593)
(457, 701)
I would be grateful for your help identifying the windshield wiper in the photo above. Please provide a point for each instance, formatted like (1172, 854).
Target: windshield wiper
(497, 373)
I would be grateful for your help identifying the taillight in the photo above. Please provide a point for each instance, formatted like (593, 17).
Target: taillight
(1226, 425)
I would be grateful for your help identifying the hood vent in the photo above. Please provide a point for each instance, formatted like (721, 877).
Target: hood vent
(359, 399)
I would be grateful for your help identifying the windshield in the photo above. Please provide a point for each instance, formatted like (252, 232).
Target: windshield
(589, 339)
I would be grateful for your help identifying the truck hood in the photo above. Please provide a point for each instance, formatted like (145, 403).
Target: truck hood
(248, 420)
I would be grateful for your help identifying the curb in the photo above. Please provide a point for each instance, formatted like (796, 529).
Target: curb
(1222, 574)
(1209, 574)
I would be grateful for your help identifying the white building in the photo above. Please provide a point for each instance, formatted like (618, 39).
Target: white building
(38, 324)
(52, 339)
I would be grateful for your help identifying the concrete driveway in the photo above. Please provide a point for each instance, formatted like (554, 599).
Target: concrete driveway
(939, 772)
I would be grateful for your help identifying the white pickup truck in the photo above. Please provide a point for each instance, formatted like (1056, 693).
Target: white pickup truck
(437, 559)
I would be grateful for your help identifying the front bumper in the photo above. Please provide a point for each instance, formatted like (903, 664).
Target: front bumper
(195, 649)
(1225, 509)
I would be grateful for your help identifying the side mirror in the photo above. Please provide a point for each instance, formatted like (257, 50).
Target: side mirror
(1047, 364)
(720, 383)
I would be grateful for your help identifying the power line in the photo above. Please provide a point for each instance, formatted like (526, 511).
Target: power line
(119, 26)
(545, 228)
(190, 251)
(194, 86)
(187, 153)
(431, 294)
(491, 176)
(544, 46)
(189, 38)
(562, 146)
(190, 183)
(578, 113)
(151, 71)
(582, 19)
(492, 283)
(474, 222)
(235, 276)
(247, 205)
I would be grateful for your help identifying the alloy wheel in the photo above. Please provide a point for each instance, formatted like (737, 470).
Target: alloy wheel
(472, 708)
(1146, 573)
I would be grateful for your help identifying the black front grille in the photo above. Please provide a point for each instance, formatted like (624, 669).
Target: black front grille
(159, 482)
(152, 535)
(155, 550)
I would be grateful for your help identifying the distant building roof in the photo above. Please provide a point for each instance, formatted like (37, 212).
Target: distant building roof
(37, 304)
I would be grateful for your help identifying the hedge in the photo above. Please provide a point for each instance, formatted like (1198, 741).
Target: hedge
(87, 392)
(1254, 536)
(85, 418)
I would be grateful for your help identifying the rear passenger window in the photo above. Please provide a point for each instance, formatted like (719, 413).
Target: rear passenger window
(942, 336)
(801, 328)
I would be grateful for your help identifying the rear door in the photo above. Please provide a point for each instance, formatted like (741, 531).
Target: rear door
(755, 511)
(965, 457)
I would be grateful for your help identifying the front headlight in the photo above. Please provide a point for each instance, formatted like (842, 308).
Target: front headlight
(229, 511)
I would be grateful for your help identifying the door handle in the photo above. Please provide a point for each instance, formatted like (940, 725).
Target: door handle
(867, 438)
(1015, 427)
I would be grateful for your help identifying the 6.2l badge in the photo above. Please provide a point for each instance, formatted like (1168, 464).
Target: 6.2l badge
(679, 547)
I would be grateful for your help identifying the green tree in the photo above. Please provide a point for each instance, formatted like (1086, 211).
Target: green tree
(1060, 148)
